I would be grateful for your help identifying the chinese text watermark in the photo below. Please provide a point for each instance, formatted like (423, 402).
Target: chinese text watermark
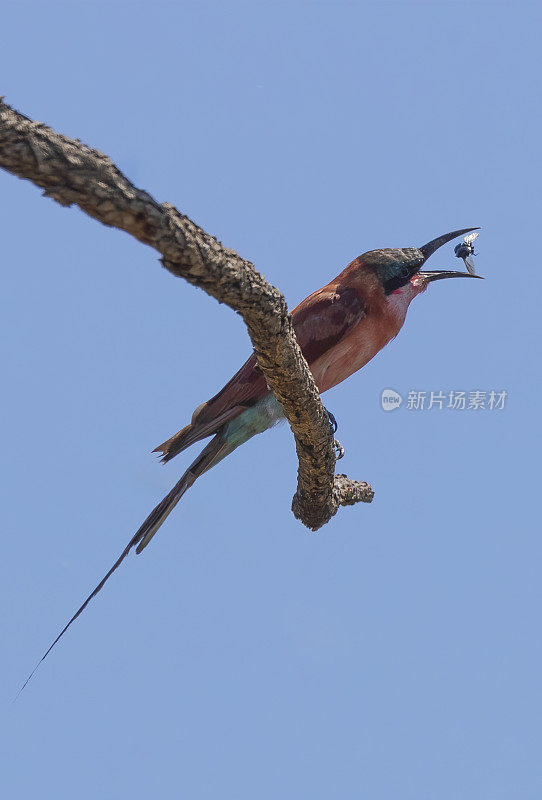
(454, 400)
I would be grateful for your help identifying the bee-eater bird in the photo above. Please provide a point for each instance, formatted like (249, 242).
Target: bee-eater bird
(339, 329)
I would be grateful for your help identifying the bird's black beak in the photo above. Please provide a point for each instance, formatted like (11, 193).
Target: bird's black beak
(429, 248)
(438, 274)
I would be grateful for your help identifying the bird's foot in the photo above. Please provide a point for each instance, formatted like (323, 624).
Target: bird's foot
(337, 446)
(332, 421)
(339, 450)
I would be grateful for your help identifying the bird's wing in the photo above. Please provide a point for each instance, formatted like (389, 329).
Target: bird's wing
(320, 321)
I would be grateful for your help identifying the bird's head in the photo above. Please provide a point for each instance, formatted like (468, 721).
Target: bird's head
(400, 270)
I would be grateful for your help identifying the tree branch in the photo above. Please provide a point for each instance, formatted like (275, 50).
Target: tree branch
(72, 173)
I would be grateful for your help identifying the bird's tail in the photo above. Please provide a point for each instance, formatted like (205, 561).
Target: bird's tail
(209, 456)
(215, 451)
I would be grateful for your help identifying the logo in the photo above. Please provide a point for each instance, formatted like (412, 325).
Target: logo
(454, 400)
(390, 399)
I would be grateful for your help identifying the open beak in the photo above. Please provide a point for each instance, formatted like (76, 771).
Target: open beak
(438, 274)
(429, 248)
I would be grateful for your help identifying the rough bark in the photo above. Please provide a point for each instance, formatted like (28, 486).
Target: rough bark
(70, 172)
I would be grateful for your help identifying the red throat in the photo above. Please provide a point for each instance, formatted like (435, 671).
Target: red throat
(400, 299)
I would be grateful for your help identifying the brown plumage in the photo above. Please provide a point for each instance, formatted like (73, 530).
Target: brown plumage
(320, 322)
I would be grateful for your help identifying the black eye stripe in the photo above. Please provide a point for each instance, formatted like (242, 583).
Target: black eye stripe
(395, 283)
(398, 280)
(394, 268)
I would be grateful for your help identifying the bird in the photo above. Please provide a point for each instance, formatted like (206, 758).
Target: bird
(339, 328)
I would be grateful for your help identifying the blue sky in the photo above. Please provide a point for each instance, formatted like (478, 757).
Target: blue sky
(396, 653)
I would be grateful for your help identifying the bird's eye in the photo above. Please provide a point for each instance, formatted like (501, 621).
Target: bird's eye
(405, 272)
